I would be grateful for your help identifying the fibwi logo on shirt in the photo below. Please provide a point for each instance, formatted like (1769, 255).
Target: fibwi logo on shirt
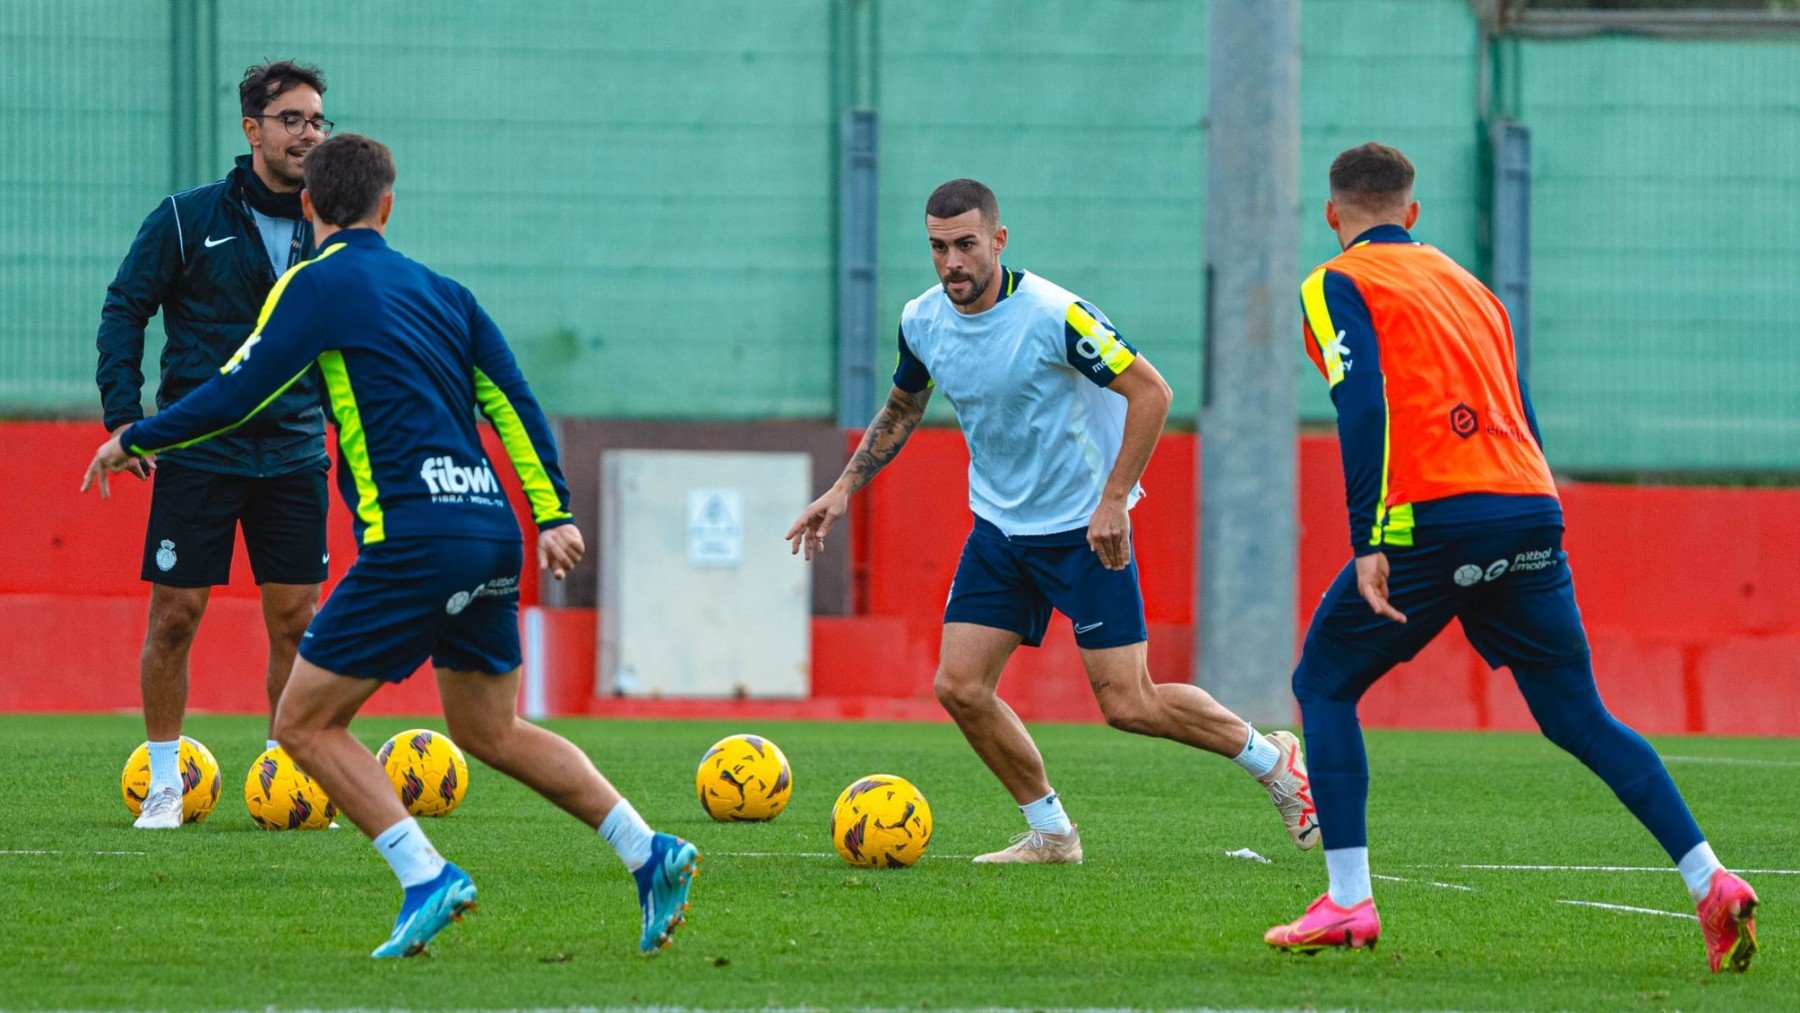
(443, 476)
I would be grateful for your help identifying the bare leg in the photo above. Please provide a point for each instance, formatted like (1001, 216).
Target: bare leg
(312, 724)
(1133, 702)
(163, 668)
(481, 711)
(969, 667)
(287, 609)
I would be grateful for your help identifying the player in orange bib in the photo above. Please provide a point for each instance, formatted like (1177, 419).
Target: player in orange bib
(1453, 515)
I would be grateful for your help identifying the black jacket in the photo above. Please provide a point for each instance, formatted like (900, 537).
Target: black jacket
(200, 258)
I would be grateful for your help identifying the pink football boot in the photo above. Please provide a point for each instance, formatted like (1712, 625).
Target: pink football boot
(1325, 925)
(1726, 923)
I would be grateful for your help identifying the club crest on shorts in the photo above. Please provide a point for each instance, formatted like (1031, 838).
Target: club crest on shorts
(165, 556)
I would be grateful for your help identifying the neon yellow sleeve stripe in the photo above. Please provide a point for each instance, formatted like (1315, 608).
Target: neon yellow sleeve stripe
(1107, 345)
(243, 352)
(546, 506)
(1325, 333)
(226, 429)
(353, 445)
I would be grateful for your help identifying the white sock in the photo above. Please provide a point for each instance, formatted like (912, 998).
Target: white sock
(1697, 868)
(270, 744)
(628, 834)
(409, 852)
(1259, 755)
(1046, 815)
(1349, 871)
(165, 765)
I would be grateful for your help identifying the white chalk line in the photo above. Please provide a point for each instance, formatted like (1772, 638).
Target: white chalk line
(803, 854)
(1427, 882)
(1628, 909)
(1593, 868)
(30, 851)
(1738, 761)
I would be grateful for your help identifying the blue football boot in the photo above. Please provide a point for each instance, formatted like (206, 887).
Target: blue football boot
(427, 909)
(662, 885)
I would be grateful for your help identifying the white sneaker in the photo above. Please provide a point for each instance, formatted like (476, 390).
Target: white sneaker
(162, 811)
(1038, 846)
(1291, 791)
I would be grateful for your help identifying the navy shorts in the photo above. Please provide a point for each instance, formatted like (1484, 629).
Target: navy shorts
(1511, 590)
(194, 517)
(1013, 583)
(454, 601)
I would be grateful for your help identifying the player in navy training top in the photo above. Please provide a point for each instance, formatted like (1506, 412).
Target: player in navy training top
(407, 355)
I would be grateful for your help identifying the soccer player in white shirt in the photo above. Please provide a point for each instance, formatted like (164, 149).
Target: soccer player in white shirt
(1061, 416)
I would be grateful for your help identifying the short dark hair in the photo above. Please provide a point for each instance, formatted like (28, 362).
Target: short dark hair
(1371, 176)
(265, 82)
(346, 176)
(963, 195)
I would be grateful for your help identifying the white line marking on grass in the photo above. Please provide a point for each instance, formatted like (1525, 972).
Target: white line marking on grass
(1427, 882)
(39, 852)
(1630, 910)
(1742, 761)
(800, 854)
(1599, 868)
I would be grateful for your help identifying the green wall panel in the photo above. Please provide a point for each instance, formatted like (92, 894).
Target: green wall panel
(1402, 72)
(84, 98)
(643, 202)
(647, 203)
(1665, 210)
(1086, 119)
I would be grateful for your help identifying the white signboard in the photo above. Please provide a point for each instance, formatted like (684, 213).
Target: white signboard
(715, 528)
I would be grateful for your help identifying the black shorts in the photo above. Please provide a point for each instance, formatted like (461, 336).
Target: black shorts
(194, 517)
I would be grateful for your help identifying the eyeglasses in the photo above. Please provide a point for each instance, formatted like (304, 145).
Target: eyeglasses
(296, 124)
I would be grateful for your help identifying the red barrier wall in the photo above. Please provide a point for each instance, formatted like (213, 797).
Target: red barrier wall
(1688, 595)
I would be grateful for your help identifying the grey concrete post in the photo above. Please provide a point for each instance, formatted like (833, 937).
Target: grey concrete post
(1246, 629)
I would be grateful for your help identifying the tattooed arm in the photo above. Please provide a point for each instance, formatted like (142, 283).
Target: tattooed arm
(881, 443)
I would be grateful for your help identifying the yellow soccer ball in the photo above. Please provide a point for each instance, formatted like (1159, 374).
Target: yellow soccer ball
(428, 771)
(281, 796)
(881, 821)
(200, 782)
(744, 778)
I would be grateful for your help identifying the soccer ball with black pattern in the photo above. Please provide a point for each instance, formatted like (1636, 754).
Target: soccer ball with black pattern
(881, 821)
(200, 783)
(744, 779)
(428, 771)
(280, 796)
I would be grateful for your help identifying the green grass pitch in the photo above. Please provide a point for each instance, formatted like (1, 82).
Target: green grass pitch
(224, 915)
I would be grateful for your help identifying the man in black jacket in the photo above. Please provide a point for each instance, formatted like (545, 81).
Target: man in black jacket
(207, 257)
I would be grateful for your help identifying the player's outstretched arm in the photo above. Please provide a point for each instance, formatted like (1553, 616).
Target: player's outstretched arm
(273, 358)
(1147, 400)
(881, 443)
(506, 399)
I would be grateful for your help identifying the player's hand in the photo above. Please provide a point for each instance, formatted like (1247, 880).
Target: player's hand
(559, 549)
(1109, 534)
(109, 458)
(141, 465)
(1372, 584)
(809, 531)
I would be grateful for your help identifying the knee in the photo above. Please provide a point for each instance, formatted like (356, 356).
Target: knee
(173, 624)
(288, 624)
(1131, 714)
(295, 736)
(484, 738)
(961, 695)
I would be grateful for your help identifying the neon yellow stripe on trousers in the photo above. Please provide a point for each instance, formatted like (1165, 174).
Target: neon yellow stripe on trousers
(353, 445)
(546, 506)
